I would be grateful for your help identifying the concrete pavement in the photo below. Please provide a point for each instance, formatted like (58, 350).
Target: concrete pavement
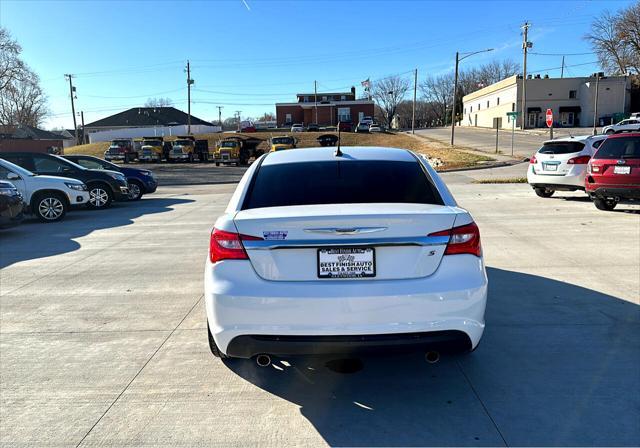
(103, 338)
(525, 143)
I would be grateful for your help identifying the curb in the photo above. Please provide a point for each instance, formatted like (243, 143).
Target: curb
(483, 167)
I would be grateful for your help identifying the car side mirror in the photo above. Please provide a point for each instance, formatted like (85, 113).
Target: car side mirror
(13, 176)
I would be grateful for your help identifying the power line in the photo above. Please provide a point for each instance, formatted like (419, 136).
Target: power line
(562, 54)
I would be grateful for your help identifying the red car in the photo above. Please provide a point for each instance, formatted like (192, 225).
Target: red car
(613, 173)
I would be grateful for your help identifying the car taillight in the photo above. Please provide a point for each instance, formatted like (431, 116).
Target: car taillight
(594, 169)
(462, 240)
(580, 160)
(533, 160)
(228, 246)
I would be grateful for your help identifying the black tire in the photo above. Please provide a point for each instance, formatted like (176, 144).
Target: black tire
(126, 159)
(190, 159)
(217, 163)
(544, 192)
(215, 351)
(100, 196)
(136, 190)
(604, 204)
(50, 206)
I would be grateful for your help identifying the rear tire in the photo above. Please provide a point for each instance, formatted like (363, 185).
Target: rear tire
(604, 204)
(544, 192)
(50, 207)
(215, 351)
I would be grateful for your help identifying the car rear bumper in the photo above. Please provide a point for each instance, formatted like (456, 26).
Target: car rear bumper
(325, 316)
(574, 180)
(620, 192)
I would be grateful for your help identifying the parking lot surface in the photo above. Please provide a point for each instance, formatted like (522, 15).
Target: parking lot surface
(103, 338)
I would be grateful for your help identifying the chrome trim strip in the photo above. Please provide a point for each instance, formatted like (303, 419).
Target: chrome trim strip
(299, 244)
(346, 230)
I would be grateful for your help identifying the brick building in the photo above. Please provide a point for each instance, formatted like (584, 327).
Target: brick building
(331, 108)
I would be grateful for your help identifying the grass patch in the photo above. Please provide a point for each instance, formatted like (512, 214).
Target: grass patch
(449, 157)
(504, 180)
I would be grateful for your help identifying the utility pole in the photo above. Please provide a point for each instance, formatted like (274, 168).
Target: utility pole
(415, 90)
(315, 98)
(72, 92)
(562, 69)
(525, 46)
(189, 83)
(220, 115)
(455, 94)
(82, 121)
(238, 114)
(595, 106)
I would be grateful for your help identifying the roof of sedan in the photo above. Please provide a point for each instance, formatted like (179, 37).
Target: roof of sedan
(625, 134)
(327, 154)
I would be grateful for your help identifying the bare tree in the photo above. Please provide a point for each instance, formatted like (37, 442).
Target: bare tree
(22, 101)
(437, 91)
(267, 116)
(615, 38)
(11, 66)
(158, 102)
(388, 93)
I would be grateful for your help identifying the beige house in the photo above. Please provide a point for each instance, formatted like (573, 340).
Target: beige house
(572, 101)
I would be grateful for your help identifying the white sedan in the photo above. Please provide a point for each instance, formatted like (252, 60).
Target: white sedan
(561, 164)
(297, 127)
(326, 251)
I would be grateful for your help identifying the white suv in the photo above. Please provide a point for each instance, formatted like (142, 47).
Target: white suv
(630, 124)
(47, 197)
(561, 164)
(324, 251)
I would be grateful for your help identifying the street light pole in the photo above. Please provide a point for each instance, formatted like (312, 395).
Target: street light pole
(455, 88)
(595, 106)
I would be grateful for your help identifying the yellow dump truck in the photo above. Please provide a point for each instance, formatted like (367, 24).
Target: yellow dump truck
(282, 142)
(236, 150)
(183, 149)
(151, 149)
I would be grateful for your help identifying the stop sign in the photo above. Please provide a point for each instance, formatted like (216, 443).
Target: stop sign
(549, 118)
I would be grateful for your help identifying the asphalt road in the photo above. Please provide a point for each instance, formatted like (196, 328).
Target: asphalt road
(103, 338)
(524, 144)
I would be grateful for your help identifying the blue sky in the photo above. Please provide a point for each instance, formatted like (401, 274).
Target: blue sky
(249, 56)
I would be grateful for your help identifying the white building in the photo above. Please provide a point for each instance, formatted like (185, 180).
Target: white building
(572, 101)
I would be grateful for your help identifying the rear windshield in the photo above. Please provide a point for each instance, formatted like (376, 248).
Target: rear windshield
(561, 148)
(619, 148)
(338, 182)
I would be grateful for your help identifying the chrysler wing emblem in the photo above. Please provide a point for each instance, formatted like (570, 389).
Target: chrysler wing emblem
(346, 230)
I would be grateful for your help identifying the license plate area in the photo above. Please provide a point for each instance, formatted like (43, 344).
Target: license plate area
(621, 170)
(550, 166)
(347, 262)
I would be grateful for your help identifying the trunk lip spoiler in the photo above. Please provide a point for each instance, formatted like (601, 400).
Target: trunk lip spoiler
(346, 230)
(368, 242)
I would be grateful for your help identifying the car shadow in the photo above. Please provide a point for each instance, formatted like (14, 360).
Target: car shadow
(559, 364)
(33, 239)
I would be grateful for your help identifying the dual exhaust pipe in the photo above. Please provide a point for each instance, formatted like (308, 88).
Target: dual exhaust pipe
(264, 360)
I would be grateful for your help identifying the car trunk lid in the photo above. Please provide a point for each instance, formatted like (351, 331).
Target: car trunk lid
(298, 241)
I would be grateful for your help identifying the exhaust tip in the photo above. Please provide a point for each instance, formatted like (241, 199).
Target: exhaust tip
(432, 357)
(263, 360)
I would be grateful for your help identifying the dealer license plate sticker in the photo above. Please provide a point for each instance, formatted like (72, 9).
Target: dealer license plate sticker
(347, 262)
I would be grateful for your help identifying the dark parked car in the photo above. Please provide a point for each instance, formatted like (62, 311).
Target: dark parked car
(104, 186)
(327, 140)
(140, 181)
(11, 205)
(313, 127)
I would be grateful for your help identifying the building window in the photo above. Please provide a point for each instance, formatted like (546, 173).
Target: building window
(287, 118)
(465, 111)
(470, 109)
(513, 107)
(487, 104)
(306, 99)
(478, 106)
(497, 101)
(343, 97)
(324, 98)
(573, 93)
(344, 114)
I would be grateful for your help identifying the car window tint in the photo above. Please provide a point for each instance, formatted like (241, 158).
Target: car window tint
(20, 160)
(90, 164)
(341, 182)
(561, 148)
(597, 143)
(48, 165)
(619, 148)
